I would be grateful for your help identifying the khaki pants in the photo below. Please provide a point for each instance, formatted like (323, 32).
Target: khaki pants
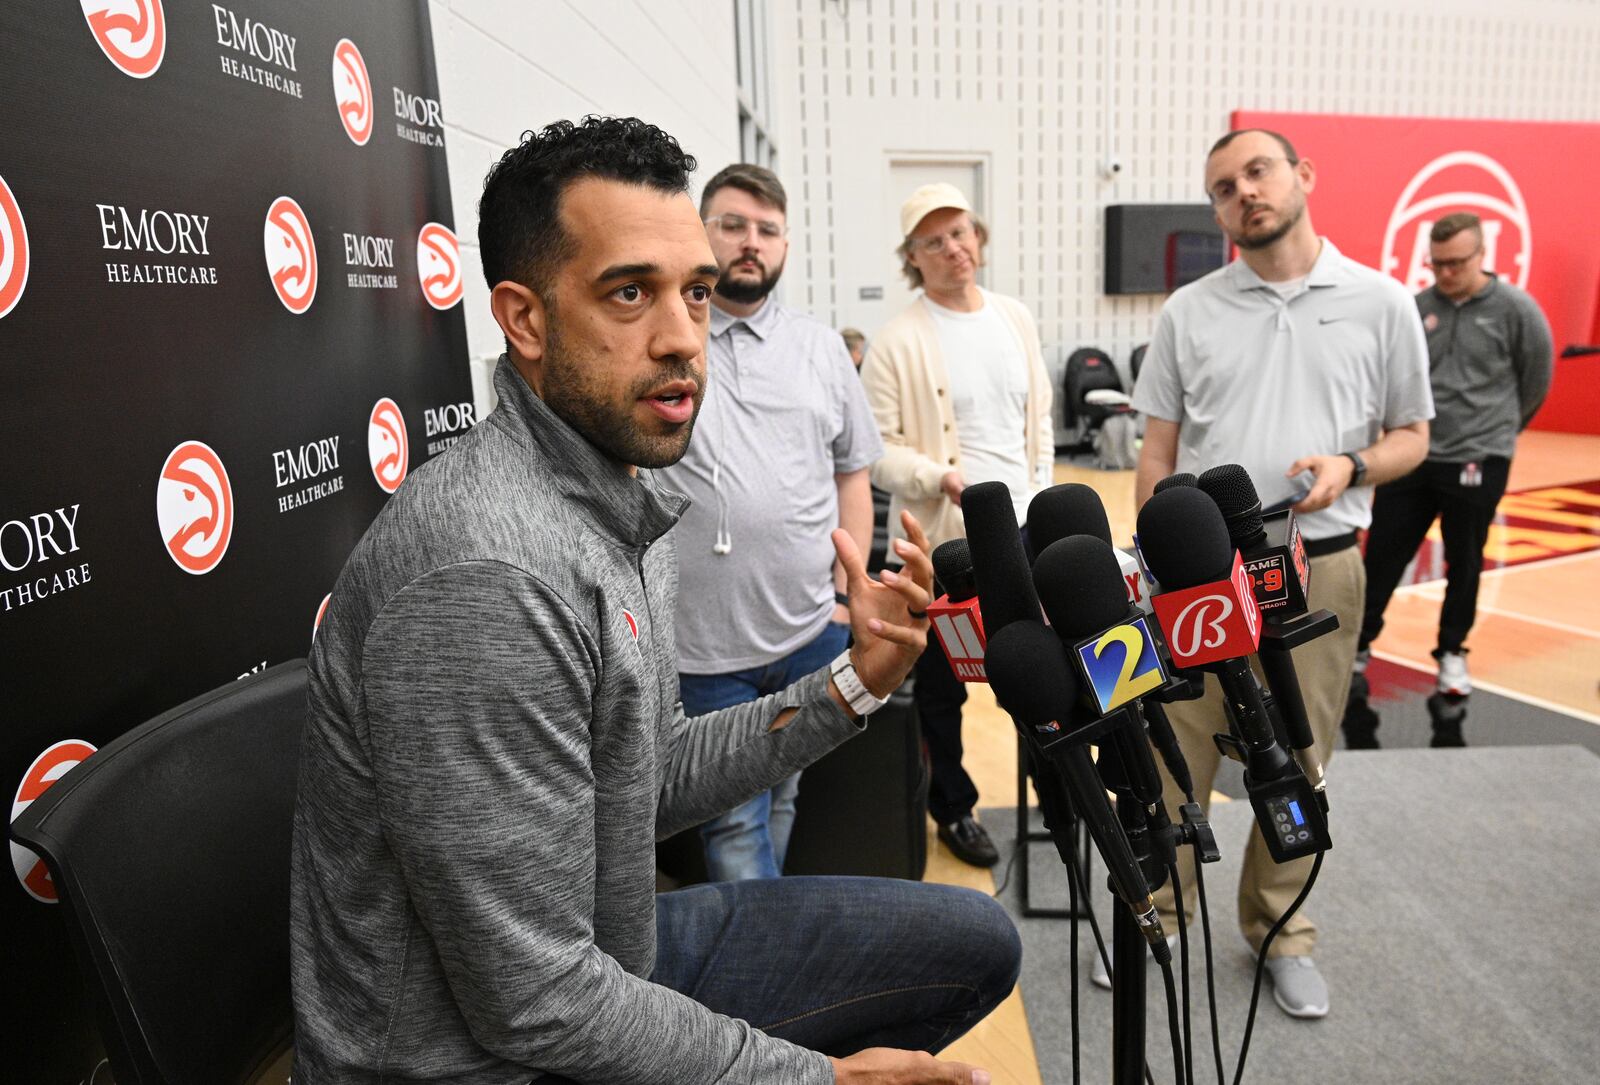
(1266, 889)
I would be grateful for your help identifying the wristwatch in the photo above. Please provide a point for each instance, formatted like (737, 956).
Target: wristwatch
(857, 696)
(1360, 476)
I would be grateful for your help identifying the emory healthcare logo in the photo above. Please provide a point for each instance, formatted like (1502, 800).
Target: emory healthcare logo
(352, 92)
(194, 507)
(386, 445)
(131, 33)
(13, 250)
(1459, 181)
(291, 254)
(46, 769)
(439, 265)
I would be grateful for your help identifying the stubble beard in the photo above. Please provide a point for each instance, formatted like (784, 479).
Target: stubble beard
(1287, 223)
(573, 391)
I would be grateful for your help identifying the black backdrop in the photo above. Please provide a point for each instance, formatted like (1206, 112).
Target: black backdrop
(143, 241)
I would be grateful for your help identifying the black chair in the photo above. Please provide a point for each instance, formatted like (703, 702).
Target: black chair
(1093, 393)
(169, 849)
(1136, 361)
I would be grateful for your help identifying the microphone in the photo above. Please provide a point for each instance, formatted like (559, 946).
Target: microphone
(1182, 478)
(1275, 557)
(955, 615)
(1079, 580)
(1072, 508)
(1274, 552)
(1033, 683)
(999, 565)
(1208, 611)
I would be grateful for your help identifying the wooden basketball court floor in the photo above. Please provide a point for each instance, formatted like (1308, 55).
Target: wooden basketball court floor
(1537, 640)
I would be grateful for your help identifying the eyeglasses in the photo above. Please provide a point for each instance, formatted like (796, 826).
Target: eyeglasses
(1457, 264)
(737, 227)
(937, 243)
(1259, 170)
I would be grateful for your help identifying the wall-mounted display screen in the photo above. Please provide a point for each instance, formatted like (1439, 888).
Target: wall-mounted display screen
(1154, 248)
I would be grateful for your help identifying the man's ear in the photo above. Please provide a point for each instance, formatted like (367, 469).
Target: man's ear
(1307, 170)
(520, 312)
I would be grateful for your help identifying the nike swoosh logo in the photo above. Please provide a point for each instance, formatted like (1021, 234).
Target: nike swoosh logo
(1328, 319)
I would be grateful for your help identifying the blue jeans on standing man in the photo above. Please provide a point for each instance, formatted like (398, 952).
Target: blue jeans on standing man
(751, 840)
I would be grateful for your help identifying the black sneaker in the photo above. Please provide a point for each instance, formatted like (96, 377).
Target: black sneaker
(968, 841)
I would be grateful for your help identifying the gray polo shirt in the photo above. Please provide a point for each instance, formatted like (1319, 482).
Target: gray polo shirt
(784, 412)
(1492, 362)
(1260, 380)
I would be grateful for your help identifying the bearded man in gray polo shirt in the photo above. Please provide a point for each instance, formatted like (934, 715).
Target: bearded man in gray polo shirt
(1491, 368)
(1295, 362)
(779, 461)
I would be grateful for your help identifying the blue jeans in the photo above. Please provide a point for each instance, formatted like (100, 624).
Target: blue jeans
(839, 964)
(751, 840)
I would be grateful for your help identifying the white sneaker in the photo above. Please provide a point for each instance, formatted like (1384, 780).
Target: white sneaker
(1297, 987)
(1453, 677)
(1097, 967)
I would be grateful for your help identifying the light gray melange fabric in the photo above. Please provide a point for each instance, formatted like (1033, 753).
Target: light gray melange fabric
(490, 755)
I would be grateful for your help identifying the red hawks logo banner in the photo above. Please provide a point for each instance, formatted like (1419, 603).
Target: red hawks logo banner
(131, 33)
(1382, 182)
(439, 265)
(13, 250)
(387, 448)
(291, 254)
(352, 92)
(194, 507)
(46, 769)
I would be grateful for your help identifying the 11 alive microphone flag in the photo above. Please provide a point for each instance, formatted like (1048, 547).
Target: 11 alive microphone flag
(960, 630)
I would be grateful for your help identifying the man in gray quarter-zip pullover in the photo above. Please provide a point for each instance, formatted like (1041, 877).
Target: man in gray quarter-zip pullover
(494, 742)
(1491, 363)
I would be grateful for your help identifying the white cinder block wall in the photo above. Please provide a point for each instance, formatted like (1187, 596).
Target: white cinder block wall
(1042, 91)
(506, 66)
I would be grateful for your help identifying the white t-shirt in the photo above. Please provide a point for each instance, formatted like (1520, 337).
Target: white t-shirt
(988, 374)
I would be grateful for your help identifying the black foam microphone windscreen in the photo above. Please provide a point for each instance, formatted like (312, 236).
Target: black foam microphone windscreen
(1068, 509)
(1229, 485)
(1182, 478)
(999, 565)
(1029, 673)
(952, 565)
(1079, 581)
(1184, 539)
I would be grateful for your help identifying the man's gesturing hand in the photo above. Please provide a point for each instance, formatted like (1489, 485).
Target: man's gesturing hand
(888, 616)
(889, 1066)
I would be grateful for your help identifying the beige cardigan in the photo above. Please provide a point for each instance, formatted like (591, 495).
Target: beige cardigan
(907, 387)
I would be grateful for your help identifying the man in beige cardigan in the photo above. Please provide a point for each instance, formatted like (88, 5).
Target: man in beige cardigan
(958, 385)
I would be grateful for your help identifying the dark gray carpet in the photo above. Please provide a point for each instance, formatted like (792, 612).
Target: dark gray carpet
(1458, 935)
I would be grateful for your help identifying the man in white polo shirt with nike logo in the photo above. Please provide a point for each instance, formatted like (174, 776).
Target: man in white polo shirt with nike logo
(1293, 361)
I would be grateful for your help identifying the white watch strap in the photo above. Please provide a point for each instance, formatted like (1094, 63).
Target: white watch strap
(857, 696)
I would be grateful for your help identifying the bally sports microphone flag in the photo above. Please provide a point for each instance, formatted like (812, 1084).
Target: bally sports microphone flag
(230, 328)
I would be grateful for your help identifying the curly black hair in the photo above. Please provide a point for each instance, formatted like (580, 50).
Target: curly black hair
(519, 223)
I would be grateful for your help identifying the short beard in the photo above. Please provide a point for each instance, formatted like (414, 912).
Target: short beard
(744, 292)
(571, 392)
(1252, 242)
